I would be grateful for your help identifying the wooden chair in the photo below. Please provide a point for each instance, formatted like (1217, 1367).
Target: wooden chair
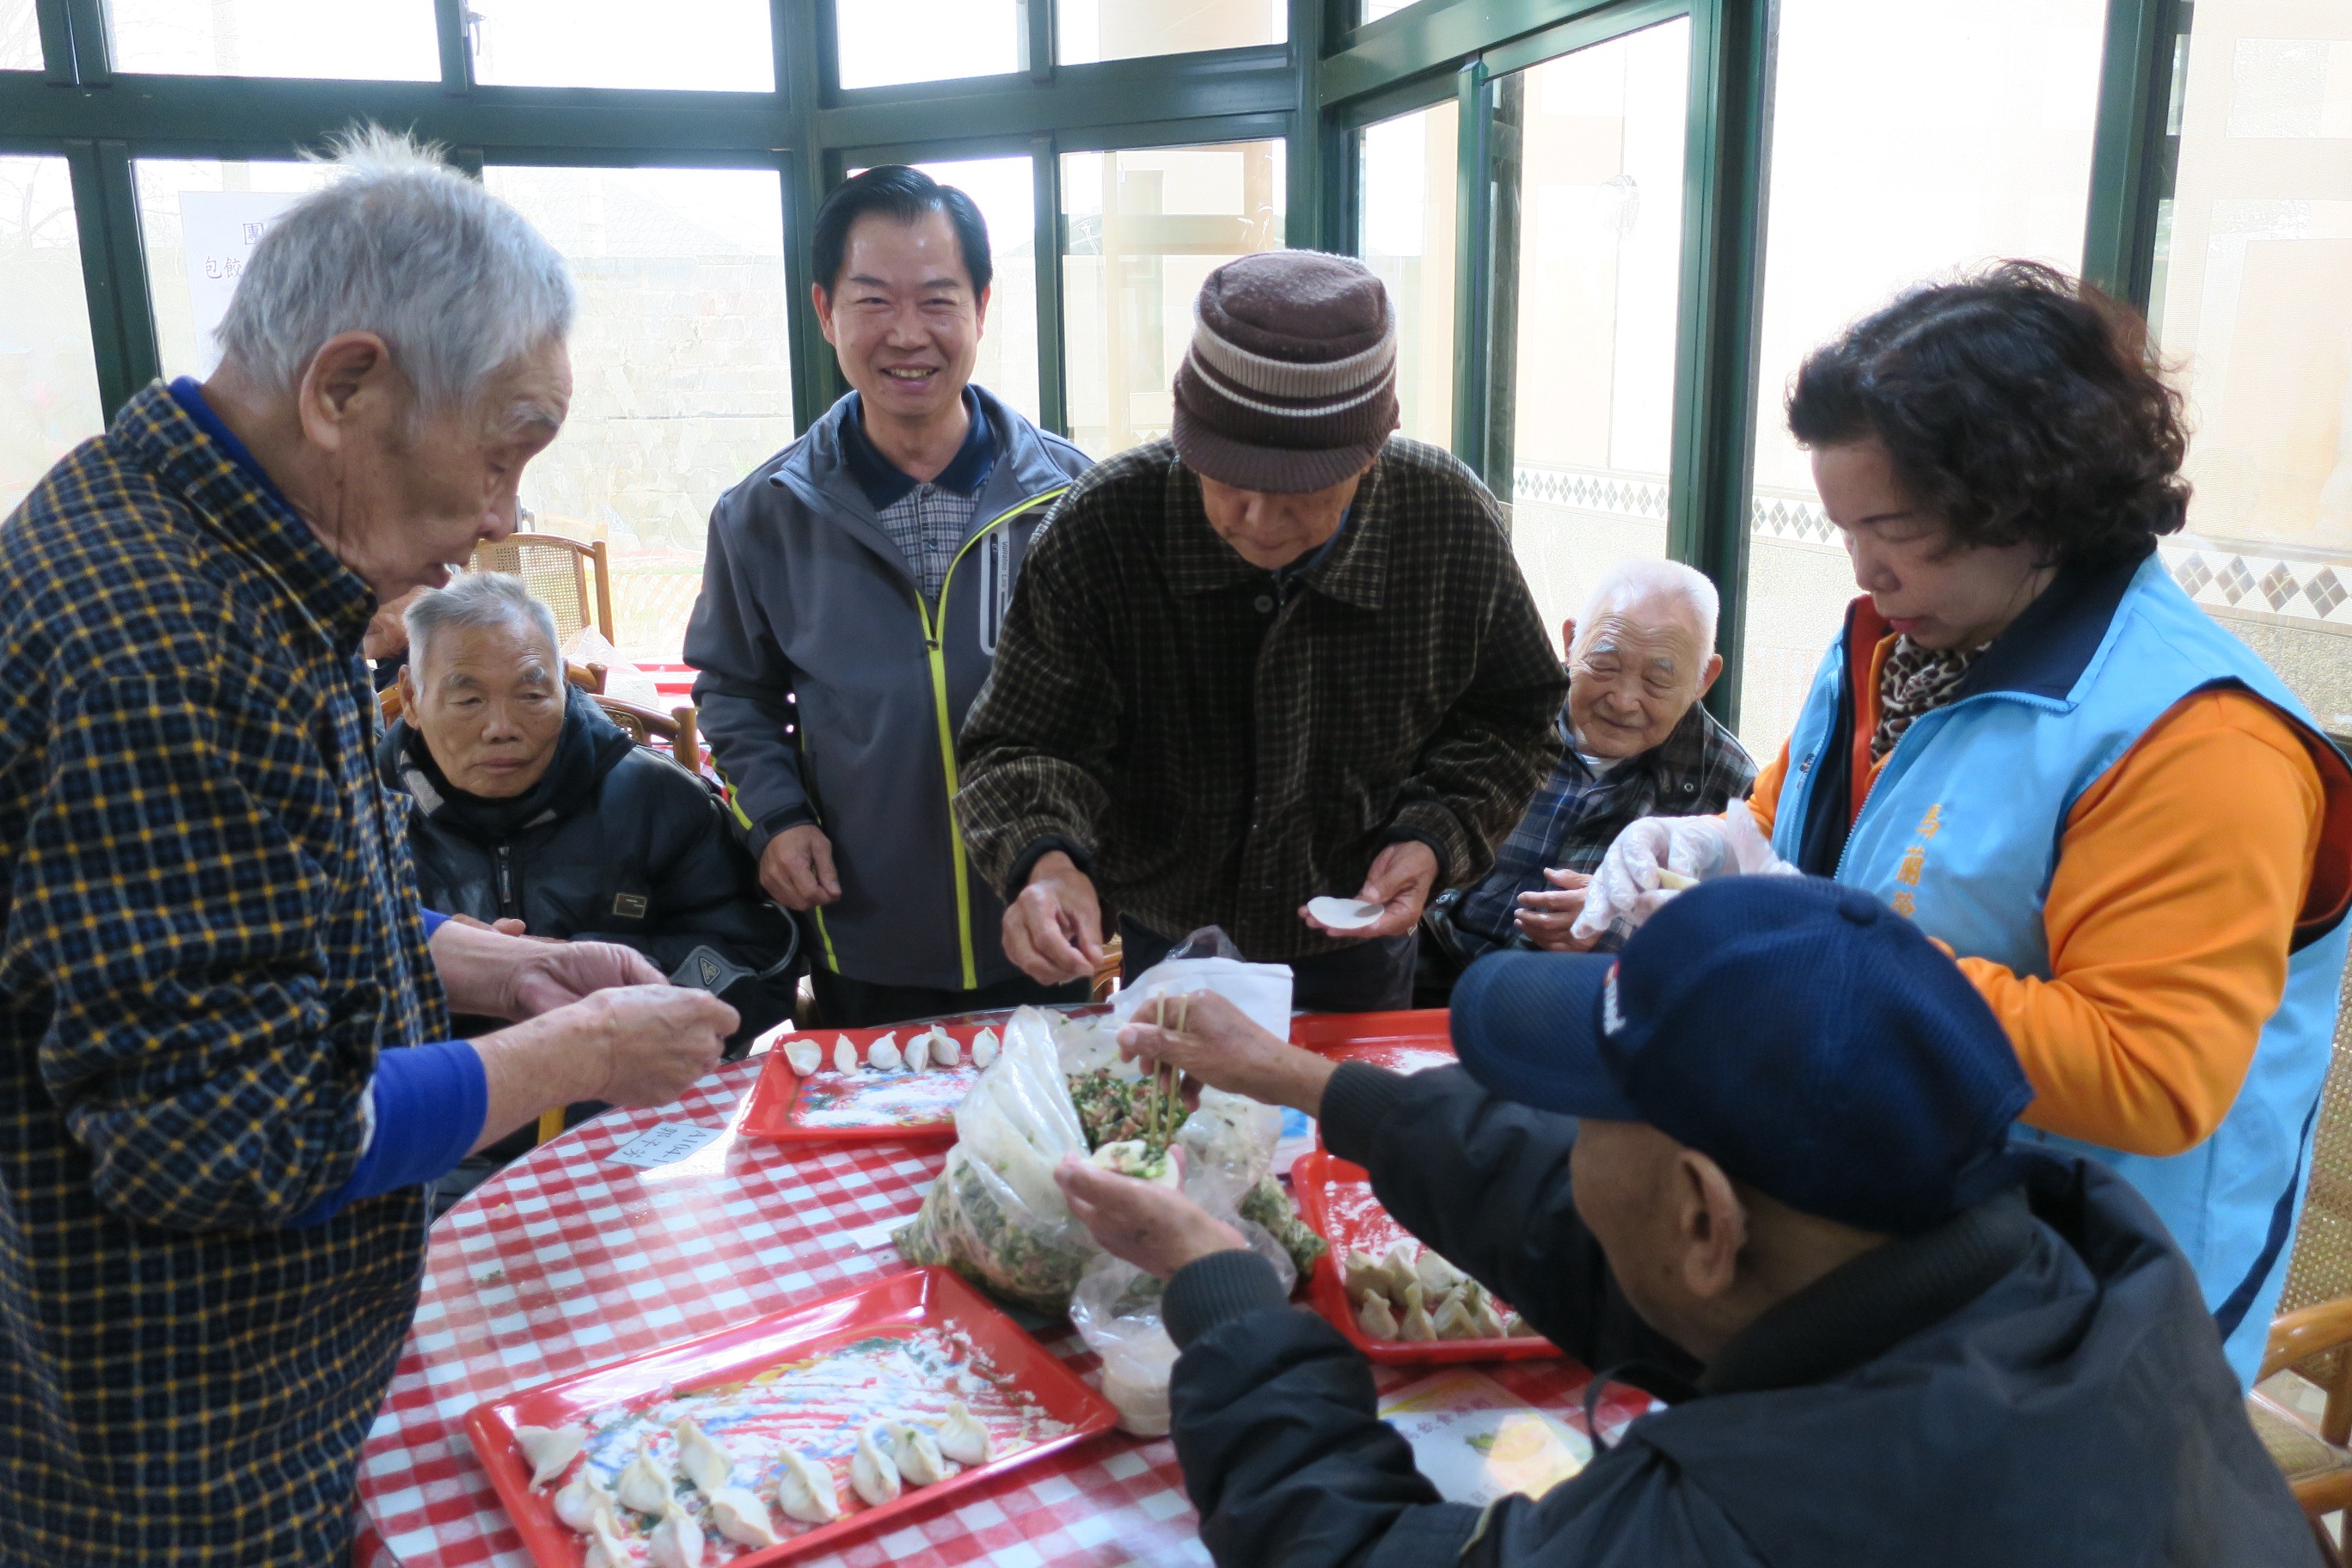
(2313, 1331)
(644, 726)
(556, 571)
(1107, 972)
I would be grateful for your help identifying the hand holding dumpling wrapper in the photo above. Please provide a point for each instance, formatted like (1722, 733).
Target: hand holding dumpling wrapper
(1656, 856)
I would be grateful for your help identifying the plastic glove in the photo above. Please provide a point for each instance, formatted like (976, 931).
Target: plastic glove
(1625, 890)
(1751, 852)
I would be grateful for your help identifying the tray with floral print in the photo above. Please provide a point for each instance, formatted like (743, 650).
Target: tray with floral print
(1407, 1042)
(866, 1106)
(899, 1349)
(1335, 1198)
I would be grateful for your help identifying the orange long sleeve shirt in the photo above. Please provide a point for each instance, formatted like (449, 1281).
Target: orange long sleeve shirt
(2183, 875)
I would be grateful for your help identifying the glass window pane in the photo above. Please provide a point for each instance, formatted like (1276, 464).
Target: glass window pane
(885, 42)
(1908, 142)
(48, 373)
(1598, 263)
(1124, 29)
(1376, 9)
(715, 45)
(20, 36)
(199, 218)
(1140, 229)
(387, 39)
(681, 372)
(2254, 299)
(1408, 181)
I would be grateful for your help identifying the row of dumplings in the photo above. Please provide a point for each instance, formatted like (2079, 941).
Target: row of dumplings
(889, 1455)
(1414, 1294)
(935, 1048)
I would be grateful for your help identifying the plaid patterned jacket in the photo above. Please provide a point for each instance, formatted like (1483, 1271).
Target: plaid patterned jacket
(207, 926)
(1698, 770)
(1224, 746)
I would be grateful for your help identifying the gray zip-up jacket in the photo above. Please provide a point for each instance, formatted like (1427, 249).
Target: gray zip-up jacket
(831, 693)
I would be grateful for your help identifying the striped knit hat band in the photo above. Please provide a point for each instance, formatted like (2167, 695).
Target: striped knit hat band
(1290, 383)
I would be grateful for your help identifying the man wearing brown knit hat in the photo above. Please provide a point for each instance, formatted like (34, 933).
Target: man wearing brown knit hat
(1276, 656)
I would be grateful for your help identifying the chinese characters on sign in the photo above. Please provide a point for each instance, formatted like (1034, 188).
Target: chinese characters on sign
(218, 231)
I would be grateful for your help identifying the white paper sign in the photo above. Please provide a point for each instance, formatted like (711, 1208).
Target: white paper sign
(218, 230)
(1477, 1441)
(663, 1143)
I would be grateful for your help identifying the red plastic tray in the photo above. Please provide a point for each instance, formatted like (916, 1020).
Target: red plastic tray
(1400, 1042)
(1335, 1198)
(901, 1303)
(776, 1111)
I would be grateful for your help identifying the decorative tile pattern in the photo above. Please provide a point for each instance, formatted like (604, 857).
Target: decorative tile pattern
(565, 1260)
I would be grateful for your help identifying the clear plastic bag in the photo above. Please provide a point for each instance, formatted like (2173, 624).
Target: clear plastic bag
(1208, 961)
(1116, 1310)
(995, 1214)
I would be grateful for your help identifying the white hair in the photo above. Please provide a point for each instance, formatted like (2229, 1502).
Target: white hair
(481, 599)
(399, 244)
(1643, 577)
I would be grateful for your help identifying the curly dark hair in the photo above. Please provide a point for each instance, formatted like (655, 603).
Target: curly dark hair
(2019, 405)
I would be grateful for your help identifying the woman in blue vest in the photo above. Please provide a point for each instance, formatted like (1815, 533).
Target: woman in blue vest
(2029, 739)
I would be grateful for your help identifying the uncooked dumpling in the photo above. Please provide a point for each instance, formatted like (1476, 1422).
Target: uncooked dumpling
(643, 1484)
(983, 1049)
(1451, 1321)
(804, 1492)
(1398, 1263)
(804, 1056)
(548, 1450)
(607, 1549)
(706, 1464)
(844, 1056)
(1416, 1324)
(1375, 1318)
(741, 1517)
(945, 1051)
(962, 1436)
(916, 1454)
(872, 1471)
(676, 1540)
(1436, 1276)
(1364, 1275)
(882, 1055)
(1484, 1323)
(583, 1501)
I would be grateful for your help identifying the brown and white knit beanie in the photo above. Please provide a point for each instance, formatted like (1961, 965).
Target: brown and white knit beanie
(1290, 383)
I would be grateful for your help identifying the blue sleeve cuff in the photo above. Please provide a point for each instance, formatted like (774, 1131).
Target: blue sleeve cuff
(434, 921)
(430, 1101)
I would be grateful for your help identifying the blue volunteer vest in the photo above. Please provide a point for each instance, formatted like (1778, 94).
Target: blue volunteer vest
(1962, 832)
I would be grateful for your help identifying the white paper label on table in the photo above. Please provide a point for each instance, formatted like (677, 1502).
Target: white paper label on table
(1477, 1441)
(663, 1143)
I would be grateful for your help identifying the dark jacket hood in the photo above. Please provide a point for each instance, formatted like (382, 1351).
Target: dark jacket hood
(591, 746)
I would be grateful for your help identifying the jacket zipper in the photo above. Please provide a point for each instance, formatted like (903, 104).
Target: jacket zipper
(506, 884)
(934, 635)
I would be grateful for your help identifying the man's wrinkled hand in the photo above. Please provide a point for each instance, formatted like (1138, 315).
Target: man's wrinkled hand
(1053, 930)
(1549, 918)
(1402, 882)
(556, 975)
(1157, 1229)
(1213, 1042)
(657, 1040)
(797, 868)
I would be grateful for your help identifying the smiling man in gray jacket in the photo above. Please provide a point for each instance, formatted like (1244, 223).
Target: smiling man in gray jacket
(849, 608)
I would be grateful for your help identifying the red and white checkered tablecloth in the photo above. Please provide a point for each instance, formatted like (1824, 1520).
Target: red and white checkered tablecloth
(567, 1260)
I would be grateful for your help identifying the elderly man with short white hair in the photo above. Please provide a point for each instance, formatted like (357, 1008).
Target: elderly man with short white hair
(1636, 741)
(224, 1075)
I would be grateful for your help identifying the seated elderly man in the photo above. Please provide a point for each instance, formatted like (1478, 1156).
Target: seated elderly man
(1762, 1157)
(1634, 743)
(530, 811)
(225, 1069)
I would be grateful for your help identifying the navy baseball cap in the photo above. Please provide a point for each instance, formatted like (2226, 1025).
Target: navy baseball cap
(1802, 1035)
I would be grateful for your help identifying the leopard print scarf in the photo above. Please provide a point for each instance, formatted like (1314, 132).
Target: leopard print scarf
(1916, 682)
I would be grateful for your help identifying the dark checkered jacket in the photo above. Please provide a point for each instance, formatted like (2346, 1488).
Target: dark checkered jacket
(207, 928)
(1220, 743)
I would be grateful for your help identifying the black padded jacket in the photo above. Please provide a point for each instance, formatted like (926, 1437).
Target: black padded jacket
(2035, 1382)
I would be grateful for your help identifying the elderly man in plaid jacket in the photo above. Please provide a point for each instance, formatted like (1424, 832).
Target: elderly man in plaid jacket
(1277, 656)
(223, 1075)
(1634, 743)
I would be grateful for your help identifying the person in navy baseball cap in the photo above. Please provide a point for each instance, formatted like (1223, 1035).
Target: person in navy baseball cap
(1760, 1165)
(1803, 1036)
